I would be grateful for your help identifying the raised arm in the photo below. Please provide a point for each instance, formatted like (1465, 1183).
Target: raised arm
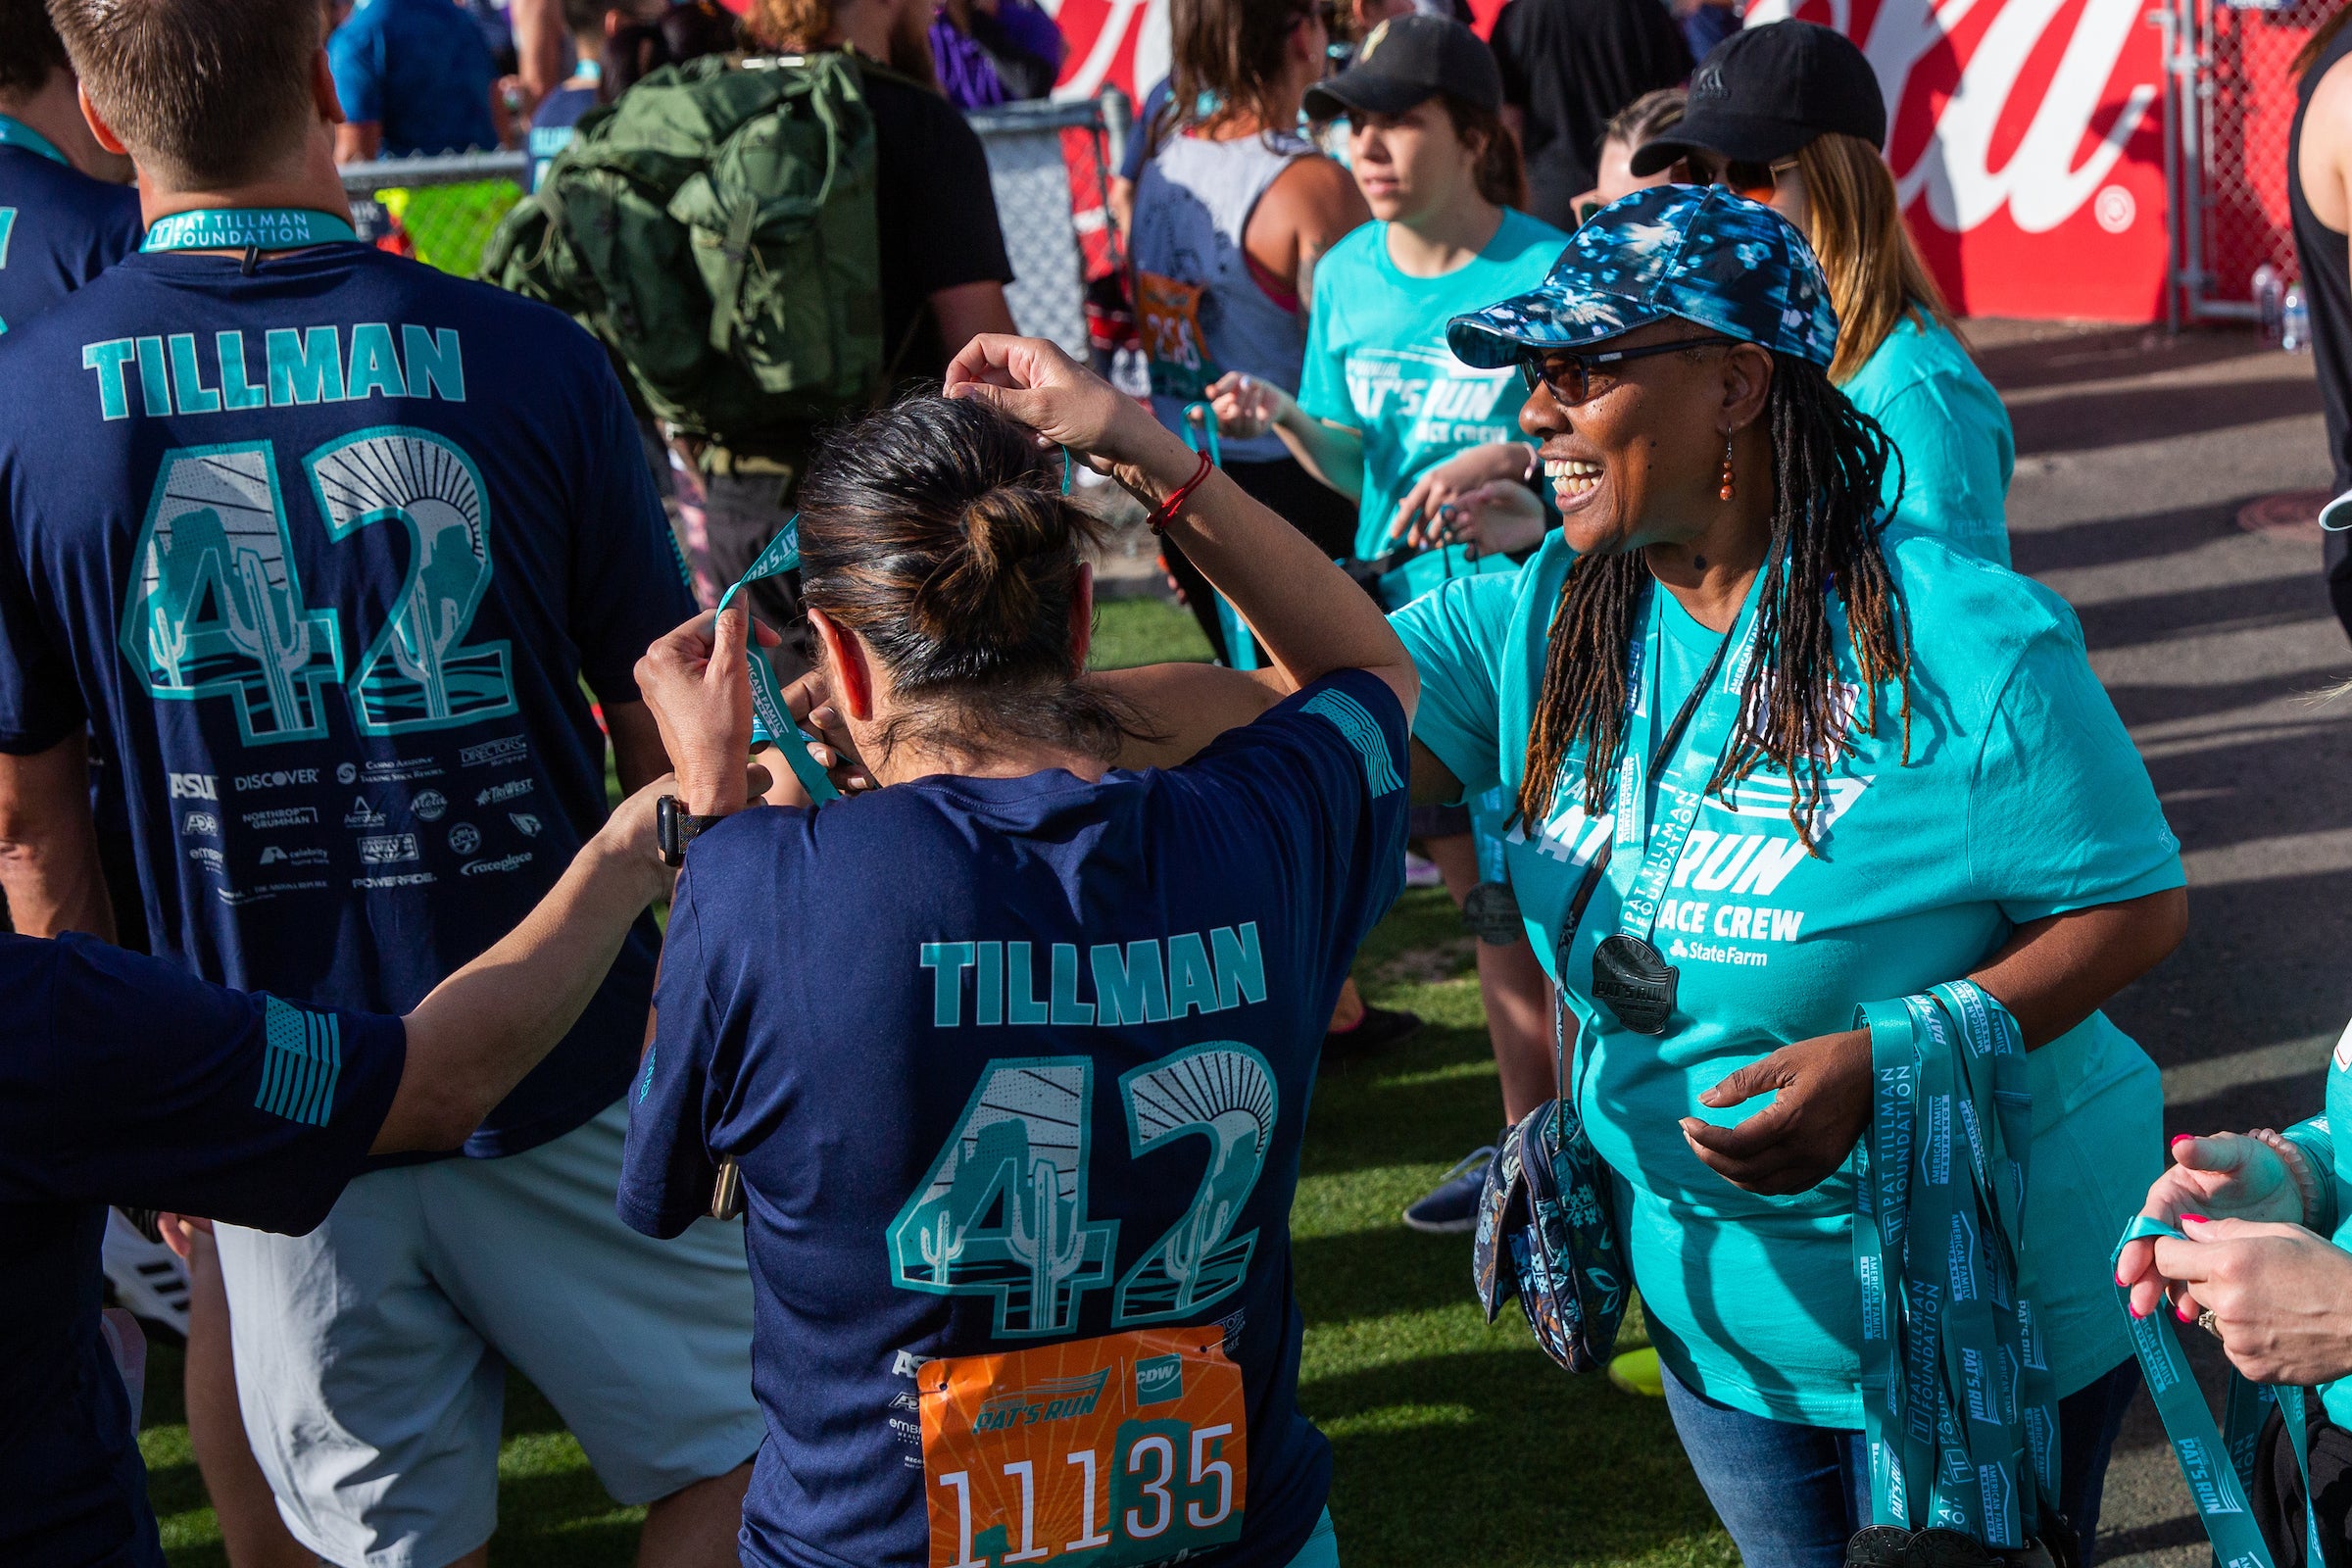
(1311, 618)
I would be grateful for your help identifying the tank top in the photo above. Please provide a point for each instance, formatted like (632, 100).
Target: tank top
(2325, 258)
(1202, 313)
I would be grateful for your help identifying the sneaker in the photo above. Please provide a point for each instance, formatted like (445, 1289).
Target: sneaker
(1420, 873)
(148, 1277)
(1376, 1031)
(1451, 1208)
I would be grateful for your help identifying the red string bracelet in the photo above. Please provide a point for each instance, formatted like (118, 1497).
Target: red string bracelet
(1165, 512)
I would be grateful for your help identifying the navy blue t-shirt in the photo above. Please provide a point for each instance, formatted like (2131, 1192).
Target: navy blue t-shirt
(419, 69)
(59, 229)
(1111, 996)
(553, 123)
(124, 1081)
(323, 553)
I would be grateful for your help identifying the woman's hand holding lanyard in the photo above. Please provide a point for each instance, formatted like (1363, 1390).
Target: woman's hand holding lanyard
(1484, 496)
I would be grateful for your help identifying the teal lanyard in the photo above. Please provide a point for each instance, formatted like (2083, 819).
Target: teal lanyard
(16, 133)
(772, 721)
(1959, 1410)
(2216, 1464)
(241, 229)
(1240, 649)
(1642, 885)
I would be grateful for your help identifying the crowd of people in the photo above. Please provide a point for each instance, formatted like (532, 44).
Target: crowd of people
(1581, 479)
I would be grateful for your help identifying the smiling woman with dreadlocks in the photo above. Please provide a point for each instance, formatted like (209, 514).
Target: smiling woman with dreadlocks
(1773, 765)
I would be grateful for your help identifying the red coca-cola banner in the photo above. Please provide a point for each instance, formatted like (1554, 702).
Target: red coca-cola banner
(2026, 140)
(2025, 135)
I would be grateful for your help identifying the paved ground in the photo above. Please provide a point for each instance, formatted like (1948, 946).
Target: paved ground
(2135, 455)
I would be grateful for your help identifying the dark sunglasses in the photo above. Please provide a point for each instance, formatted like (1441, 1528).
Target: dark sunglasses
(1755, 181)
(1567, 375)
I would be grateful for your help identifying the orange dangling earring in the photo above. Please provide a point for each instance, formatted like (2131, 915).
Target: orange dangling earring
(1725, 494)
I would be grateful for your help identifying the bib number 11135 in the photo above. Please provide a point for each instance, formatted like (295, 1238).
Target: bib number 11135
(1112, 1452)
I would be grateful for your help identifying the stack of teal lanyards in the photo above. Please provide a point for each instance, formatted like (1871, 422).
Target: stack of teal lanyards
(1959, 1406)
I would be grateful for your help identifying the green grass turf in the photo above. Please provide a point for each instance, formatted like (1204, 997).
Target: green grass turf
(1456, 1445)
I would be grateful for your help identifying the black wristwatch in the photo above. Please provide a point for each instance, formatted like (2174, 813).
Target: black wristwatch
(674, 827)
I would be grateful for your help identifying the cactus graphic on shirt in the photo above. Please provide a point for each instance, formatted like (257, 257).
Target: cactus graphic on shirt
(215, 607)
(940, 1254)
(1003, 1211)
(1223, 1092)
(419, 673)
(1037, 1237)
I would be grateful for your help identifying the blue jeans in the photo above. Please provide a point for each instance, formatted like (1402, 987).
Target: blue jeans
(1791, 1496)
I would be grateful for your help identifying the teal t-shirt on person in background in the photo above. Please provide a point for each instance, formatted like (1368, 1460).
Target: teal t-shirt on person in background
(1377, 362)
(2333, 1181)
(2023, 796)
(1948, 424)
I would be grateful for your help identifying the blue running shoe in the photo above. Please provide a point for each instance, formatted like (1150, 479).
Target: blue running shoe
(1451, 1208)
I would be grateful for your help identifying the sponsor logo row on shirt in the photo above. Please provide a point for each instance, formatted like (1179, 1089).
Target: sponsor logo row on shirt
(389, 855)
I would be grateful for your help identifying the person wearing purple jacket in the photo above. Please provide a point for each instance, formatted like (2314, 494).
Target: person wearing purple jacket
(991, 52)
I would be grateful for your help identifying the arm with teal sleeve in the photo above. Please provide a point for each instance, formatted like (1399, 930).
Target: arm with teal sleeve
(2317, 1143)
(1456, 637)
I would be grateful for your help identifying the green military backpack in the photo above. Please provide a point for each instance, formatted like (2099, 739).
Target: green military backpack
(715, 229)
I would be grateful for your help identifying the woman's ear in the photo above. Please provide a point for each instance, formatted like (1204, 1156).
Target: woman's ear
(851, 673)
(1746, 384)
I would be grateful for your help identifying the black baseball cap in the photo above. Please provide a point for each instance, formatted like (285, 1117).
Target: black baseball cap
(1763, 93)
(1408, 60)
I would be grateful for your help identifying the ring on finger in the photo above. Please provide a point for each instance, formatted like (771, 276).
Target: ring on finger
(2208, 1323)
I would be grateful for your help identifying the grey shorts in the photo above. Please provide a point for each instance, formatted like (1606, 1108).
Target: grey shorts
(371, 1354)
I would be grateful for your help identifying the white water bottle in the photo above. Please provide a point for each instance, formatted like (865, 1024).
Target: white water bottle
(2270, 302)
(2294, 320)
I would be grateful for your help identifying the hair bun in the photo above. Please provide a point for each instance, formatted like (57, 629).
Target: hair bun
(988, 591)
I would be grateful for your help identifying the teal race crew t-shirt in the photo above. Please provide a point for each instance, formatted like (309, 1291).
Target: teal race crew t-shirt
(1377, 362)
(1948, 424)
(2023, 798)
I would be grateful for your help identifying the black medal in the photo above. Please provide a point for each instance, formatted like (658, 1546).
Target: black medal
(1635, 982)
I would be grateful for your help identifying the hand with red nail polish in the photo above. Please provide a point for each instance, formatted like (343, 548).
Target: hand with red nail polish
(2276, 1294)
(2226, 1174)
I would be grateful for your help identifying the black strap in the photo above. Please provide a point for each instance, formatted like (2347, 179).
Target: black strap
(1600, 863)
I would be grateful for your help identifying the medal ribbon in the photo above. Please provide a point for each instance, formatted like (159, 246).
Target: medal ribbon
(1640, 887)
(772, 721)
(2216, 1464)
(1240, 649)
(238, 228)
(1960, 1411)
(14, 132)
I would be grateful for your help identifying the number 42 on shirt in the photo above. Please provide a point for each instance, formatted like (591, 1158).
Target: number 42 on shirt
(217, 608)
(1129, 1448)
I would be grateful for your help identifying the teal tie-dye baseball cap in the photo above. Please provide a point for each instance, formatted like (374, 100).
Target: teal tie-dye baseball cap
(1692, 251)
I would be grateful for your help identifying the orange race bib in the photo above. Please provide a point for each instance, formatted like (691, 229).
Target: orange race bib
(1169, 316)
(1116, 1453)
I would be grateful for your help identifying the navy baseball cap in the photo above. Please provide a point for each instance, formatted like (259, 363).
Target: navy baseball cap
(1696, 252)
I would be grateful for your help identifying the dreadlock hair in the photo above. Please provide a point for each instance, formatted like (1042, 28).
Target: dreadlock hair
(1829, 460)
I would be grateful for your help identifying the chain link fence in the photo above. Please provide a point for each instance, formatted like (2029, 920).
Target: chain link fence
(1045, 162)
(2229, 112)
(440, 210)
